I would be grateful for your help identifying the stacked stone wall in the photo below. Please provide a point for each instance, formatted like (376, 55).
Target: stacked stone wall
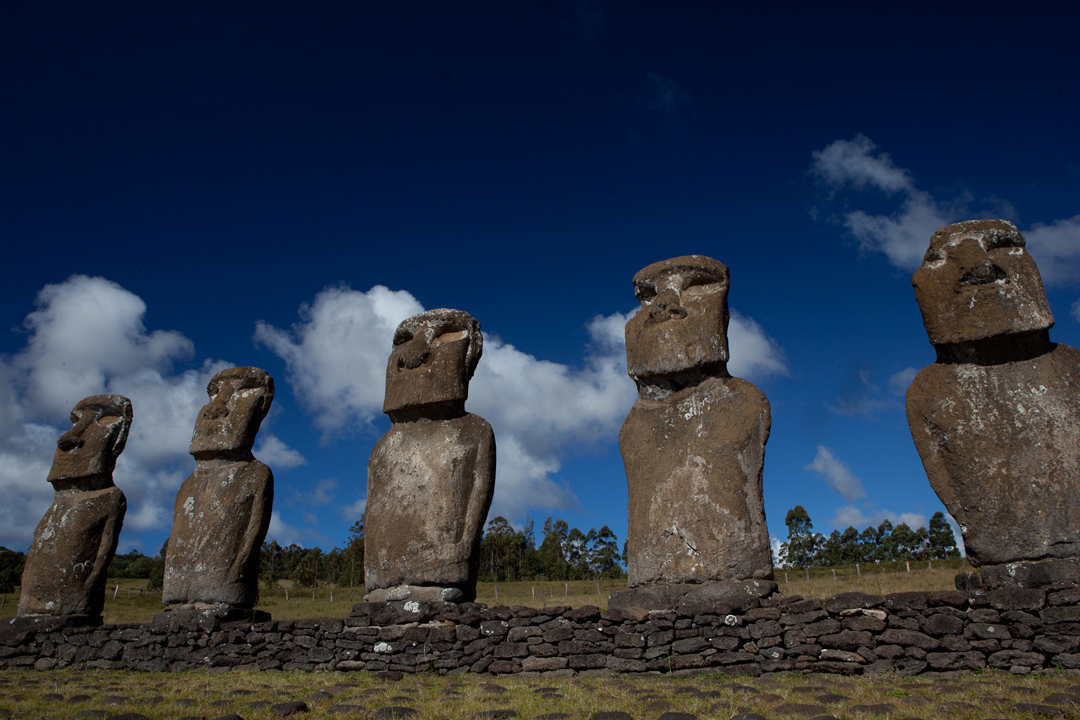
(1021, 630)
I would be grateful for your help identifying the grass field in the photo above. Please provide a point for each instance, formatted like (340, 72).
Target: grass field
(129, 605)
(66, 694)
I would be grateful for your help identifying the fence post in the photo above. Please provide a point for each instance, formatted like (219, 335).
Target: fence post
(785, 577)
(534, 592)
(908, 563)
(129, 593)
(3, 599)
(331, 596)
(312, 594)
(116, 592)
(566, 590)
(929, 564)
(496, 592)
(286, 593)
(857, 573)
(834, 574)
(807, 572)
(598, 589)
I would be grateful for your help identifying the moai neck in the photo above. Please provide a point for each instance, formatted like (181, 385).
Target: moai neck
(212, 461)
(429, 413)
(996, 350)
(68, 487)
(660, 387)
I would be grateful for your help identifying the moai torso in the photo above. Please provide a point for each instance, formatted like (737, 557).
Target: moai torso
(220, 520)
(222, 512)
(427, 485)
(694, 464)
(65, 572)
(431, 478)
(996, 420)
(694, 443)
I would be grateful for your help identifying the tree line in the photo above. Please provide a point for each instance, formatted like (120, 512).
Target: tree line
(884, 543)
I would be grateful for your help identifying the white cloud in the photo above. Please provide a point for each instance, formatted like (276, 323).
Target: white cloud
(1056, 248)
(851, 516)
(336, 357)
(354, 511)
(87, 337)
(1076, 310)
(754, 355)
(904, 235)
(775, 544)
(323, 494)
(281, 532)
(853, 162)
(900, 381)
(276, 454)
(836, 474)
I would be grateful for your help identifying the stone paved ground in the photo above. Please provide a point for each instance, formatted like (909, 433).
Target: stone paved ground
(384, 696)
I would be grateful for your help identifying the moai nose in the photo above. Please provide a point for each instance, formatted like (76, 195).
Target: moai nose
(415, 352)
(217, 408)
(983, 274)
(72, 439)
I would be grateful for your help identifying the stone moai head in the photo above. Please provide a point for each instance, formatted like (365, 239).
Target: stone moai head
(435, 354)
(683, 320)
(239, 400)
(100, 425)
(977, 281)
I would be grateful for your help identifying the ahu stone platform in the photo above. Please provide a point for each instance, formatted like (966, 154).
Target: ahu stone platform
(1017, 629)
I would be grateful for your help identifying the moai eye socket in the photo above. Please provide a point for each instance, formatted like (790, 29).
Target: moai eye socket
(1004, 240)
(402, 336)
(644, 293)
(700, 284)
(449, 334)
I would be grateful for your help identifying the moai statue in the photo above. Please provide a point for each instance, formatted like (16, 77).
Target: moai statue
(694, 443)
(432, 476)
(222, 511)
(996, 419)
(76, 540)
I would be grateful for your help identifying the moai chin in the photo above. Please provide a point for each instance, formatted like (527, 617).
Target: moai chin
(996, 419)
(694, 443)
(432, 476)
(222, 510)
(76, 539)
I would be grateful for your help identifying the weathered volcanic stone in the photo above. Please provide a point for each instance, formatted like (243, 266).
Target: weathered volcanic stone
(694, 443)
(432, 476)
(76, 539)
(996, 419)
(222, 511)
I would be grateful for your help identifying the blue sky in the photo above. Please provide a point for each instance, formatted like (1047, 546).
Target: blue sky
(187, 187)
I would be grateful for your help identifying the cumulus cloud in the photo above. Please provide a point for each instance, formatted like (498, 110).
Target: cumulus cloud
(540, 410)
(1056, 248)
(836, 474)
(754, 355)
(851, 516)
(336, 356)
(279, 456)
(904, 235)
(86, 337)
